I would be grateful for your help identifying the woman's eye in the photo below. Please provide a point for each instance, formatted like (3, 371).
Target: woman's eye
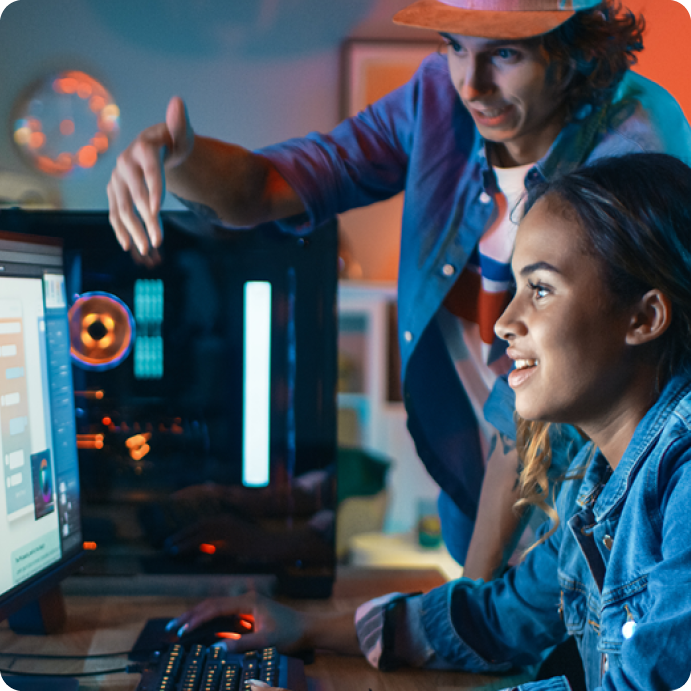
(538, 290)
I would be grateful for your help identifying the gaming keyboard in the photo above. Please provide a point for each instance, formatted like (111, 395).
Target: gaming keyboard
(201, 668)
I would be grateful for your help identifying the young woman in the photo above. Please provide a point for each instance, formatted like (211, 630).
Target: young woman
(599, 329)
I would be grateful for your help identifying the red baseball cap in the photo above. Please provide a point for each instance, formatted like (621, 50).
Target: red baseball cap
(491, 18)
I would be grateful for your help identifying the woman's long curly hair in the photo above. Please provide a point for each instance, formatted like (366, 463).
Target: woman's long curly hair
(634, 216)
(593, 50)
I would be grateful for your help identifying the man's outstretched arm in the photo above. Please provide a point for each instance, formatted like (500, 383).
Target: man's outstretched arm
(225, 180)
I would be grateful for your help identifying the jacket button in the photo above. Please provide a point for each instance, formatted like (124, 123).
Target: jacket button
(485, 198)
(408, 336)
(628, 629)
(608, 542)
(448, 270)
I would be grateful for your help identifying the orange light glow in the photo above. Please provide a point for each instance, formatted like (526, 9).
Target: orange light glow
(48, 165)
(90, 546)
(65, 159)
(67, 127)
(137, 445)
(228, 634)
(107, 421)
(87, 156)
(37, 140)
(97, 103)
(245, 624)
(89, 444)
(100, 141)
(84, 90)
(68, 85)
(89, 441)
(90, 394)
(248, 617)
(207, 549)
(138, 440)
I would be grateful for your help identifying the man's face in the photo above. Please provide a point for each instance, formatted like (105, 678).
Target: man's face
(510, 91)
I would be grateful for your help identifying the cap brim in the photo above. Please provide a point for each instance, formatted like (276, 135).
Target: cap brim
(435, 15)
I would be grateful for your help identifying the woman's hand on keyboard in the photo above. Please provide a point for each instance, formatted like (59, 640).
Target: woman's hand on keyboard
(287, 629)
(274, 624)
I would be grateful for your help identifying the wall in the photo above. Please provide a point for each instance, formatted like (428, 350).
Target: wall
(252, 71)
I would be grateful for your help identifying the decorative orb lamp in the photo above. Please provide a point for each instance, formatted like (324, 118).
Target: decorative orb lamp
(65, 123)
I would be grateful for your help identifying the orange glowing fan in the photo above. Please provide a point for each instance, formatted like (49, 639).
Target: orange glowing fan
(101, 331)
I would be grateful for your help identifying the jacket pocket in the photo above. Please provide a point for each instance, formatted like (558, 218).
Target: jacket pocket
(574, 607)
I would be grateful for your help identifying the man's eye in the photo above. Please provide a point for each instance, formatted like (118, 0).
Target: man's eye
(455, 47)
(507, 54)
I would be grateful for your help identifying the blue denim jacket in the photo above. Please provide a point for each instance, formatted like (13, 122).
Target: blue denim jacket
(421, 139)
(616, 574)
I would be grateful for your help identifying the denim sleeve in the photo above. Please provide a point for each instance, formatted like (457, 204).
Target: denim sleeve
(501, 625)
(658, 653)
(553, 684)
(362, 161)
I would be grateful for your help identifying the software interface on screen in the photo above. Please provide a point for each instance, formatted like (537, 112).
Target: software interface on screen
(39, 498)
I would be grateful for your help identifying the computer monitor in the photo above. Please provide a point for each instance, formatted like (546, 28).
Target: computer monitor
(205, 386)
(40, 528)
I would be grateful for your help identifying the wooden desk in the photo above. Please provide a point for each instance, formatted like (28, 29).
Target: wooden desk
(107, 614)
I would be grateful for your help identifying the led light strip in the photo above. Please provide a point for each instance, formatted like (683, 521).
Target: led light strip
(256, 384)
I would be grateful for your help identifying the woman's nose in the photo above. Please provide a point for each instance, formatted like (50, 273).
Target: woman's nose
(508, 326)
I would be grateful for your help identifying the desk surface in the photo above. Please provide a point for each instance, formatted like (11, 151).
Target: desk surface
(99, 623)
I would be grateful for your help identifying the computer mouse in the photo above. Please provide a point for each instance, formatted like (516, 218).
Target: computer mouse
(216, 630)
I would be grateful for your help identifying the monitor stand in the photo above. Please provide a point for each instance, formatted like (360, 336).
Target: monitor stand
(45, 615)
(42, 683)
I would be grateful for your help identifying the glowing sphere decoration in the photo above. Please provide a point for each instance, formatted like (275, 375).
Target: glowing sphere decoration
(65, 123)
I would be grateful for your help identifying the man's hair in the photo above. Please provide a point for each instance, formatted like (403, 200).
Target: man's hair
(596, 47)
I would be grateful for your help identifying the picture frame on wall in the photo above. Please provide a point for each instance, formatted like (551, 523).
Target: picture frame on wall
(373, 68)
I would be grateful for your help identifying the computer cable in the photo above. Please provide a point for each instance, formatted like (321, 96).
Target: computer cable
(41, 656)
(129, 669)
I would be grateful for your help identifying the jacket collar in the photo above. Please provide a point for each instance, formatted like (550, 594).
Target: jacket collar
(569, 150)
(605, 493)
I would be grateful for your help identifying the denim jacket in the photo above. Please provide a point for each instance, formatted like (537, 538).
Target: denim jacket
(616, 574)
(420, 139)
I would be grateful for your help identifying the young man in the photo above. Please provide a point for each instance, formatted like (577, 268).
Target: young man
(529, 88)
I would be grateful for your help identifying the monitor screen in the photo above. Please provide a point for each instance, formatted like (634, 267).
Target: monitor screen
(205, 388)
(40, 529)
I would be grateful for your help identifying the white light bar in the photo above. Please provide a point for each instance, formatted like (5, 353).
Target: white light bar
(256, 385)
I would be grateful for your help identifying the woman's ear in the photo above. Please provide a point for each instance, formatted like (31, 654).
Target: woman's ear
(651, 317)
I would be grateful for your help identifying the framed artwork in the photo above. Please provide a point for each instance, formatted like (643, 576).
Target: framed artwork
(373, 68)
